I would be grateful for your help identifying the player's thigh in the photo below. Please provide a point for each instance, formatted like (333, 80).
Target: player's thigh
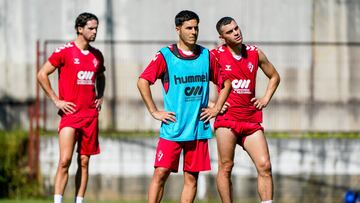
(196, 156)
(67, 140)
(168, 154)
(257, 148)
(88, 144)
(226, 143)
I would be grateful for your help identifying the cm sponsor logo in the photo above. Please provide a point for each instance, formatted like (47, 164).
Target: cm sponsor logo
(193, 91)
(85, 75)
(243, 84)
(85, 78)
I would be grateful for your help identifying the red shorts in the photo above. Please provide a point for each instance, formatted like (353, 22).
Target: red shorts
(196, 155)
(240, 128)
(86, 130)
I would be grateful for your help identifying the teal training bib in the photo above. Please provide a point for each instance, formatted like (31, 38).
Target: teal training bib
(187, 94)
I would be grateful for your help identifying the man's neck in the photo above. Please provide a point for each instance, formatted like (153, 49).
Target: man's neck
(81, 43)
(186, 47)
(236, 49)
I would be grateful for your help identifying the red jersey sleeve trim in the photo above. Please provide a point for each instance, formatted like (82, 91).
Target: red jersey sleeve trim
(155, 70)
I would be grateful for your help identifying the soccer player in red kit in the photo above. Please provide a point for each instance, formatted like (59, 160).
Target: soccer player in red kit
(81, 83)
(241, 115)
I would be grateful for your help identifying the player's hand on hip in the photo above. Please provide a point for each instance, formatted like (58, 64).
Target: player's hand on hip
(66, 107)
(259, 103)
(208, 113)
(164, 116)
(224, 107)
(98, 103)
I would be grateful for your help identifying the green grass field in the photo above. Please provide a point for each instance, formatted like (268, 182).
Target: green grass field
(92, 201)
(66, 201)
(118, 201)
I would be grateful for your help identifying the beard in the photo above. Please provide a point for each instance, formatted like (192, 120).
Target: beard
(91, 38)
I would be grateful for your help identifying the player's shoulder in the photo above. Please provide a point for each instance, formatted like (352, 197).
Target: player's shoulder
(198, 46)
(95, 51)
(250, 50)
(165, 49)
(64, 47)
(251, 47)
(169, 47)
(202, 49)
(219, 49)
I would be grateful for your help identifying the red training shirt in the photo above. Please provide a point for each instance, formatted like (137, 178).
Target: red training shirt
(242, 74)
(77, 73)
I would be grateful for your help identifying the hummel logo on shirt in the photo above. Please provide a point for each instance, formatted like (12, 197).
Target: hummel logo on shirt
(76, 61)
(228, 67)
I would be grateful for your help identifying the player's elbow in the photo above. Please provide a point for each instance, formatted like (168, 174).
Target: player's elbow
(277, 79)
(141, 83)
(40, 76)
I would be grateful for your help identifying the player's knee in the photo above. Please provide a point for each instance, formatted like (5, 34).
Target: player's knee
(226, 166)
(264, 168)
(191, 178)
(161, 174)
(84, 161)
(64, 162)
(190, 183)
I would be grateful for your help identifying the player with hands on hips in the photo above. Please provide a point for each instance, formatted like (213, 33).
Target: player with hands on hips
(185, 69)
(81, 82)
(241, 116)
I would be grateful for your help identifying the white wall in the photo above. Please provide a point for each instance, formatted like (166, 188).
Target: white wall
(320, 83)
(301, 168)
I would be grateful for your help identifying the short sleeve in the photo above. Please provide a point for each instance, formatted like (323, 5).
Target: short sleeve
(155, 70)
(57, 58)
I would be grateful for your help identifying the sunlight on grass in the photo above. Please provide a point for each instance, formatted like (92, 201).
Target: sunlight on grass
(94, 201)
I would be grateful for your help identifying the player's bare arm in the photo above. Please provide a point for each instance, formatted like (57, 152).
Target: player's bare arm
(100, 87)
(43, 79)
(144, 88)
(211, 112)
(274, 79)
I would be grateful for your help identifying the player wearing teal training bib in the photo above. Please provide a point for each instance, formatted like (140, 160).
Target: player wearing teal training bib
(187, 94)
(185, 70)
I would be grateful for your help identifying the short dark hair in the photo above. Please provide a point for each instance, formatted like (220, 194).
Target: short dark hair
(185, 15)
(223, 21)
(82, 19)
